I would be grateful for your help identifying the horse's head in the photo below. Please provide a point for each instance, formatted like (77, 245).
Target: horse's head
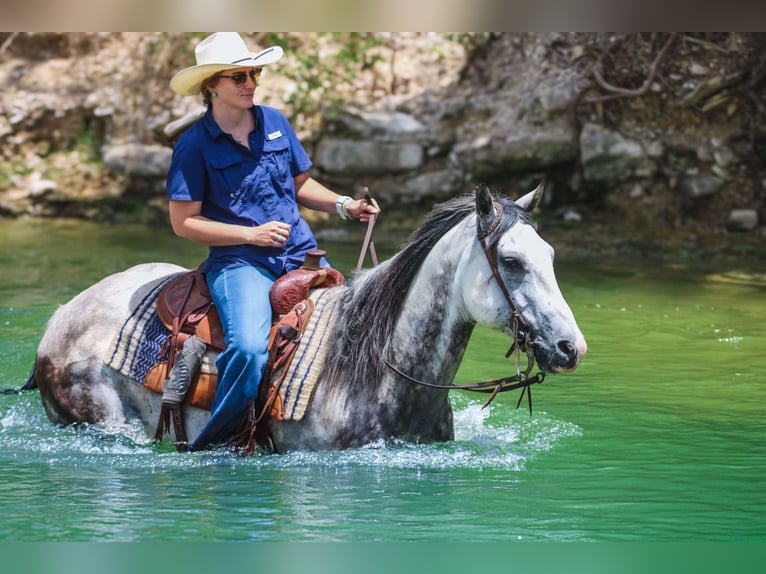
(521, 285)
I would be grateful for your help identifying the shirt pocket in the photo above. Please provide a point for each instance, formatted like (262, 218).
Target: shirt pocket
(277, 161)
(228, 173)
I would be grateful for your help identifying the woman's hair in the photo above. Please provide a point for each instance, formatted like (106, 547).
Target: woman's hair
(205, 88)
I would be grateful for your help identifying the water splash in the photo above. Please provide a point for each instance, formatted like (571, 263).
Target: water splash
(479, 443)
(483, 440)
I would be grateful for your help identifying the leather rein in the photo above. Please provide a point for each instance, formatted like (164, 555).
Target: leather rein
(521, 380)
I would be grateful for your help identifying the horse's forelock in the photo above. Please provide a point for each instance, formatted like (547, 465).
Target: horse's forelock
(512, 214)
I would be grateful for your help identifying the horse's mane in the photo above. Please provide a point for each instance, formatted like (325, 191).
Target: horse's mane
(371, 306)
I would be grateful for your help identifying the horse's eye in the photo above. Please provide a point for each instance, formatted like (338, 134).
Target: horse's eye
(513, 263)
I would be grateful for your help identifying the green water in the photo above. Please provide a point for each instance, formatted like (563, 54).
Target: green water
(660, 435)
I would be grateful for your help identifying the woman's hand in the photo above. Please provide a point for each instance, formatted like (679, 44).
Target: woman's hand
(312, 194)
(271, 234)
(361, 209)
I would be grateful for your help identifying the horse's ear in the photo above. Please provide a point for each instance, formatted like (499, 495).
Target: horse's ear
(531, 200)
(485, 207)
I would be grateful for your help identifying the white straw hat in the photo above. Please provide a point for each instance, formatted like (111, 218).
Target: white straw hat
(218, 52)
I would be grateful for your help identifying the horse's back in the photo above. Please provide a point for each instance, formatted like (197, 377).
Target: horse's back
(70, 357)
(105, 302)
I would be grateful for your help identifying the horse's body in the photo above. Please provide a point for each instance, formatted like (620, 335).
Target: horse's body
(417, 310)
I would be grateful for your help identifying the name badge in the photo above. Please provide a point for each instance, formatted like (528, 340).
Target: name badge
(274, 135)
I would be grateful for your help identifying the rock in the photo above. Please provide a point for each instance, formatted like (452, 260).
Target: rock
(437, 184)
(743, 220)
(5, 127)
(42, 187)
(571, 216)
(609, 156)
(722, 155)
(351, 157)
(378, 125)
(14, 202)
(698, 70)
(720, 172)
(137, 159)
(522, 151)
(700, 185)
(549, 100)
(361, 142)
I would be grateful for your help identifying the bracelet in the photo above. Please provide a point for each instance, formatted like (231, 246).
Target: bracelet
(340, 207)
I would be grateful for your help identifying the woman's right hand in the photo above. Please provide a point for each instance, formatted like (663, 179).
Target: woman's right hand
(271, 234)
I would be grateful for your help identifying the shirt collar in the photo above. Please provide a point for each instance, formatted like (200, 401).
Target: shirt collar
(214, 130)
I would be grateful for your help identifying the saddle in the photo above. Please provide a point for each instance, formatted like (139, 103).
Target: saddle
(185, 307)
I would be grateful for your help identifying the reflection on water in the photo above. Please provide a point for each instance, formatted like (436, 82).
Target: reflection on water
(657, 436)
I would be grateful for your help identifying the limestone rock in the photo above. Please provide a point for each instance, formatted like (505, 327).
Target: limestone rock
(137, 159)
(351, 157)
(609, 156)
(743, 220)
(700, 185)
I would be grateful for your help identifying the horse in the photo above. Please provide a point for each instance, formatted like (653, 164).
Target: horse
(475, 259)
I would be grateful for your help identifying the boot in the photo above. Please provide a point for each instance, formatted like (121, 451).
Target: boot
(187, 364)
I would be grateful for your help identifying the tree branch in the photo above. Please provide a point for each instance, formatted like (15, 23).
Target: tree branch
(8, 41)
(620, 92)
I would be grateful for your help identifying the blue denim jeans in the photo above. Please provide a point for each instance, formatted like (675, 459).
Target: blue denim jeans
(241, 296)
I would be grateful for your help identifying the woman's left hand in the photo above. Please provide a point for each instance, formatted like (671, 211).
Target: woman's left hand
(362, 210)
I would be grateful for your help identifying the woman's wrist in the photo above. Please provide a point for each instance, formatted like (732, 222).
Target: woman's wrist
(341, 207)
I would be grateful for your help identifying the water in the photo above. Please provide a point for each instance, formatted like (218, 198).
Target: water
(658, 436)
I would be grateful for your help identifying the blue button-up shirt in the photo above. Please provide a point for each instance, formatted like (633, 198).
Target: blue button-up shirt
(245, 186)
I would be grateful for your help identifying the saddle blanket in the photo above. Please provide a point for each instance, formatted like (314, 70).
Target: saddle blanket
(303, 371)
(138, 346)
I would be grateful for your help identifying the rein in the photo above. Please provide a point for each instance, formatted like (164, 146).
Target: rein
(368, 242)
(521, 380)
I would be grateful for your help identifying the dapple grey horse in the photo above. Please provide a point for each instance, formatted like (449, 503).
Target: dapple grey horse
(412, 314)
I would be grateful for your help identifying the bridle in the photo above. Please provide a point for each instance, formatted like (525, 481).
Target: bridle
(521, 334)
(521, 329)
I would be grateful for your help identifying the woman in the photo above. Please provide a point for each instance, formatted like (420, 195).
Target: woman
(235, 182)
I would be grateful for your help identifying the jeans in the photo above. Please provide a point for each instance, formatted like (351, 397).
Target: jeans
(241, 297)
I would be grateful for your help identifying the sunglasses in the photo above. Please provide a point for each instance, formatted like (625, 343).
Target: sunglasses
(241, 77)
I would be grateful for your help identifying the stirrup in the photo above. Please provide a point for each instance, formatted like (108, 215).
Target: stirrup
(187, 364)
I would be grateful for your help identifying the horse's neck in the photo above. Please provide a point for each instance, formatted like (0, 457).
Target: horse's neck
(432, 333)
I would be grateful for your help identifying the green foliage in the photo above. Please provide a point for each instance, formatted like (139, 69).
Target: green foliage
(5, 176)
(325, 62)
(8, 170)
(87, 142)
(469, 40)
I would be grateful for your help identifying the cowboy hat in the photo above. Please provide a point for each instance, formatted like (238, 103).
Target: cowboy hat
(218, 52)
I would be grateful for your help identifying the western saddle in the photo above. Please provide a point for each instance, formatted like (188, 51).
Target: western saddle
(186, 308)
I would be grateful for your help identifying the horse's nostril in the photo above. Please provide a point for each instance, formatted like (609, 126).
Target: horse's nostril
(567, 349)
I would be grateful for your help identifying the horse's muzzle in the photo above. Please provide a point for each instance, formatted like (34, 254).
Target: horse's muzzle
(562, 357)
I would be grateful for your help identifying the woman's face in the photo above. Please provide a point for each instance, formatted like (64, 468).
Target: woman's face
(235, 88)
